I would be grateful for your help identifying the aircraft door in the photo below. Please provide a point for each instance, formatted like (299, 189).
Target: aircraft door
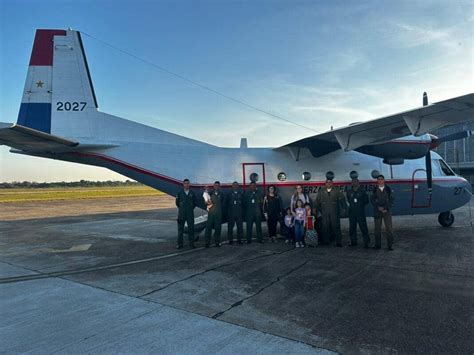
(421, 198)
(253, 172)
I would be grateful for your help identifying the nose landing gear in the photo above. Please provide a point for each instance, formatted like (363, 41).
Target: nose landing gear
(446, 219)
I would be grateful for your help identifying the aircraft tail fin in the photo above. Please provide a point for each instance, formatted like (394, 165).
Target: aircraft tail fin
(58, 96)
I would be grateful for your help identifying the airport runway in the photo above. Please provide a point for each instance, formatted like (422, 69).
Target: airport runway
(112, 281)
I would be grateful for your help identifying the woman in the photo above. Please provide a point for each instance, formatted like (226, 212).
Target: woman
(272, 208)
(299, 195)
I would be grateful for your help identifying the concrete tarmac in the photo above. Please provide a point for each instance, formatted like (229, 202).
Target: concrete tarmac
(114, 282)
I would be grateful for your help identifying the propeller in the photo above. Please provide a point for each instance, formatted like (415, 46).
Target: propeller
(435, 142)
(429, 173)
(425, 99)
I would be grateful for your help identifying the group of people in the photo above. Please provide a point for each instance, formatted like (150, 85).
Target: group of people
(302, 223)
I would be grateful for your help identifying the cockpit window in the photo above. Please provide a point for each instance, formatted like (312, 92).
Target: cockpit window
(436, 168)
(440, 168)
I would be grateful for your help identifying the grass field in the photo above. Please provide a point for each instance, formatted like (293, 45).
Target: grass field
(74, 193)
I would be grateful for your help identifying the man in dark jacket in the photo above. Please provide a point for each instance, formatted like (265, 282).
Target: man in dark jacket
(382, 199)
(234, 205)
(214, 216)
(357, 199)
(253, 214)
(186, 202)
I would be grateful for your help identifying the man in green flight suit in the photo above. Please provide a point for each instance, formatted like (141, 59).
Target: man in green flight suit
(331, 202)
(358, 199)
(234, 213)
(253, 214)
(382, 199)
(186, 202)
(214, 216)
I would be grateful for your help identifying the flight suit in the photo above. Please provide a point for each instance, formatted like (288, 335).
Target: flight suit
(186, 202)
(253, 214)
(330, 205)
(384, 199)
(358, 199)
(234, 204)
(214, 218)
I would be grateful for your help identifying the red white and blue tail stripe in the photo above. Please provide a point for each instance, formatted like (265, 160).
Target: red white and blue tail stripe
(35, 109)
(58, 93)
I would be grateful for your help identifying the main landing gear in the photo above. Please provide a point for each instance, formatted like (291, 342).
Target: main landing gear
(199, 226)
(446, 219)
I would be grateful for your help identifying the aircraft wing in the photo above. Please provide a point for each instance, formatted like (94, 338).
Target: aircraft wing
(28, 140)
(417, 122)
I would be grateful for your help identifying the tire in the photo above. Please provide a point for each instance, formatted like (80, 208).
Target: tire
(446, 219)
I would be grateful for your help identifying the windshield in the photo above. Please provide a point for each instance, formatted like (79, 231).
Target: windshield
(440, 168)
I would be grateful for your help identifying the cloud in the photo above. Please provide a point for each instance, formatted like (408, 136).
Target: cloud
(335, 67)
(406, 35)
(351, 112)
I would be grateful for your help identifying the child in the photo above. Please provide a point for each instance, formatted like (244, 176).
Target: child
(207, 198)
(311, 236)
(289, 226)
(300, 222)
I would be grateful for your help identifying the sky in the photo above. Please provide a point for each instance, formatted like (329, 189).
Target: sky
(316, 63)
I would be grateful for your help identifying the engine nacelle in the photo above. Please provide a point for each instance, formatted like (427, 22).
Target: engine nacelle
(396, 151)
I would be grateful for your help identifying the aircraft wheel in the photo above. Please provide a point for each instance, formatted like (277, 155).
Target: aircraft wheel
(446, 219)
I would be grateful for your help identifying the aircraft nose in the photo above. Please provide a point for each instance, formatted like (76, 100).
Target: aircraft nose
(466, 186)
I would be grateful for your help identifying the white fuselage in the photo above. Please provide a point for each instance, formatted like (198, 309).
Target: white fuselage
(165, 165)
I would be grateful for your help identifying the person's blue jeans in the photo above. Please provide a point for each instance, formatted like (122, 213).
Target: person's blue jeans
(299, 231)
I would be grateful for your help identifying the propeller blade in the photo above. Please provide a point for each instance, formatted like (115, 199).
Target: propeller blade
(452, 137)
(425, 99)
(429, 174)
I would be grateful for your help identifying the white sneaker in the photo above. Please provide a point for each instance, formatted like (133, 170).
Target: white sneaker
(287, 241)
(297, 245)
(301, 245)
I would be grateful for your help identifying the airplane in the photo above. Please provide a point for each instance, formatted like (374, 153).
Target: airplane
(59, 119)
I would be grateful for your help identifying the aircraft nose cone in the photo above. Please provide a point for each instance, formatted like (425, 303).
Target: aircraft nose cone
(464, 190)
(467, 186)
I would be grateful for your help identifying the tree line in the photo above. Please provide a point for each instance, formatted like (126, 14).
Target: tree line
(81, 183)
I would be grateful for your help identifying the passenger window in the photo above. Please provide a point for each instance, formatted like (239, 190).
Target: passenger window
(375, 173)
(254, 177)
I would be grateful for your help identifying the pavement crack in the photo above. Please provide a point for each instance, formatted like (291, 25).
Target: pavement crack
(270, 284)
(104, 331)
(213, 269)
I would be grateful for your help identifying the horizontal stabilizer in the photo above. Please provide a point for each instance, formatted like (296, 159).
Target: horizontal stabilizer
(30, 140)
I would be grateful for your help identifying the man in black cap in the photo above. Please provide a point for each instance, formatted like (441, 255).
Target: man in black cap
(358, 199)
(186, 202)
(330, 202)
(382, 199)
(214, 216)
